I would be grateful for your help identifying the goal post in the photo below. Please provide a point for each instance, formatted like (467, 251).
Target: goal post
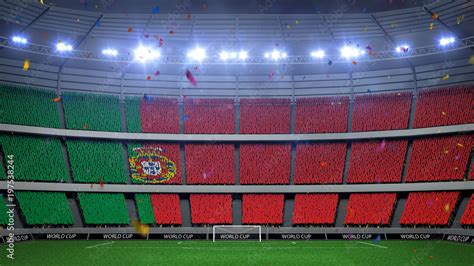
(236, 232)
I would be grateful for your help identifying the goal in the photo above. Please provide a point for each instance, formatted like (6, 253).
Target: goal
(236, 232)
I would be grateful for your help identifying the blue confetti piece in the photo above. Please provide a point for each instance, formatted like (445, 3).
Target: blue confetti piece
(155, 10)
(97, 24)
(184, 118)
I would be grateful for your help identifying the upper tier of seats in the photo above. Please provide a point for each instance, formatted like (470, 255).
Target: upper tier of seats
(429, 208)
(317, 209)
(445, 106)
(148, 114)
(209, 116)
(382, 111)
(370, 209)
(321, 115)
(264, 116)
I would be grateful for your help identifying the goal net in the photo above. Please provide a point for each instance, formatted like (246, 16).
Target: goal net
(236, 232)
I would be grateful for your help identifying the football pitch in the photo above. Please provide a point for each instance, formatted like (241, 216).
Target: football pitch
(151, 252)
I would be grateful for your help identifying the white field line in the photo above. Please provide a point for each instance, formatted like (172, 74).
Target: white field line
(379, 246)
(239, 248)
(103, 244)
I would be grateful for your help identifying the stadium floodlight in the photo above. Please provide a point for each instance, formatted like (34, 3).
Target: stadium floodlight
(446, 41)
(110, 52)
(275, 55)
(145, 53)
(63, 47)
(351, 52)
(20, 40)
(318, 54)
(197, 54)
(402, 48)
(243, 55)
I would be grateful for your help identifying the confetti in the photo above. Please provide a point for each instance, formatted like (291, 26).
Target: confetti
(323, 164)
(414, 250)
(445, 77)
(354, 62)
(97, 24)
(147, 35)
(78, 19)
(140, 228)
(270, 76)
(41, 1)
(471, 60)
(393, 25)
(430, 257)
(446, 207)
(85, 126)
(155, 10)
(459, 19)
(189, 16)
(92, 185)
(369, 48)
(460, 145)
(171, 32)
(147, 97)
(101, 183)
(26, 64)
(297, 21)
(434, 16)
(57, 99)
(148, 77)
(431, 26)
(457, 157)
(330, 62)
(366, 28)
(130, 29)
(184, 118)
(381, 147)
(161, 42)
(157, 73)
(443, 113)
(190, 77)
(288, 26)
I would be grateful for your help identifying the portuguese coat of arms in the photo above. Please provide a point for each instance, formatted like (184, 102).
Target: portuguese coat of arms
(150, 166)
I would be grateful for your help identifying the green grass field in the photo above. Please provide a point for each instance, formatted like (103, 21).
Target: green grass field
(136, 252)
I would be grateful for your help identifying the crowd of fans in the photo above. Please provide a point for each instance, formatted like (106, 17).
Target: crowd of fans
(381, 111)
(211, 208)
(265, 164)
(160, 115)
(104, 208)
(321, 115)
(209, 116)
(166, 208)
(209, 164)
(379, 161)
(467, 218)
(265, 116)
(439, 158)
(429, 208)
(319, 163)
(370, 209)
(44, 208)
(262, 209)
(445, 106)
(315, 209)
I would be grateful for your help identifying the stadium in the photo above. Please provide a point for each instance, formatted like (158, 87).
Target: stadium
(262, 132)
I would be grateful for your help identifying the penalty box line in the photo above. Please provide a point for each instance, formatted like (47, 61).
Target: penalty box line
(365, 243)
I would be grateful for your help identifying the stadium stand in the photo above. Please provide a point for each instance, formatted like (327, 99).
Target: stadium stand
(44, 208)
(209, 163)
(467, 218)
(170, 151)
(315, 209)
(3, 172)
(97, 161)
(262, 209)
(471, 172)
(89, 111)
(439, 158)
(445, 106)
(211, 208)
(381, 111)
(159, 115)
(370, 209)
(144, 208)
(209, 116)
(41, 110)
(265, 116)
(166, 209)
(429, 208)
(321, 115)
(132, 114)
(36, 158)
(3, 212)
(319, 163)
(103, 208)
(265, 163)
(377, 161)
